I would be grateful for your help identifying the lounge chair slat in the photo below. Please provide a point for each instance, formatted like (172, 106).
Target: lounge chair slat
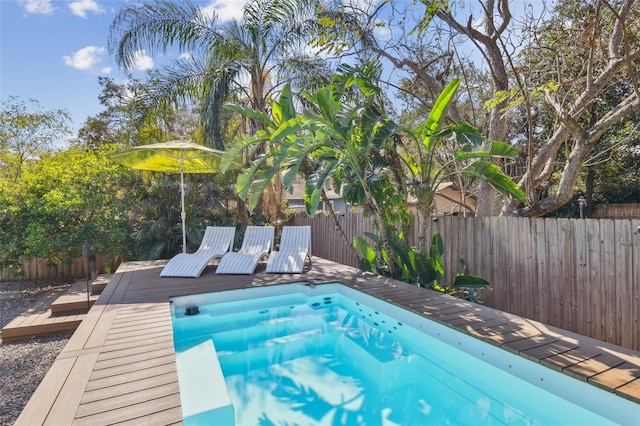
(256, 244)
(295, 248)
(215, 243)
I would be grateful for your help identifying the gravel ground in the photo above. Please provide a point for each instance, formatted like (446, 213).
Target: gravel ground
(23, 365)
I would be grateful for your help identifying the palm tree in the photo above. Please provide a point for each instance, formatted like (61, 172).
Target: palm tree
(246, 60)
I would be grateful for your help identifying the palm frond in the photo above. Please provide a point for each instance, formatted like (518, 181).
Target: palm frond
(217, 87)
(173, 86)
(156, 26)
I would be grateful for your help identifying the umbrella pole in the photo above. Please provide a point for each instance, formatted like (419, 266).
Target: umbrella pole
(183, 214)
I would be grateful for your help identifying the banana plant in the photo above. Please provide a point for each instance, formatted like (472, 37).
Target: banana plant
(336, 140)
(425, 172)
(345, 140)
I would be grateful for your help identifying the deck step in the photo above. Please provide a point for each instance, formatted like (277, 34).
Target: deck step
(45, 325)
(60, 311)
(74, 300)
(99, 284)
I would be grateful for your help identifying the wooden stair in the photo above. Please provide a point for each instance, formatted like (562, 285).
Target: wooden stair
(74, 300)
(59, 311)
(99, 284)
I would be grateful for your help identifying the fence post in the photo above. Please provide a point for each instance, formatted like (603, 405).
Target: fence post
(85, 256)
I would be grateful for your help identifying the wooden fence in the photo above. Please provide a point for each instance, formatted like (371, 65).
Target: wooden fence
(616, 211)
(579, 275)
(37, 269)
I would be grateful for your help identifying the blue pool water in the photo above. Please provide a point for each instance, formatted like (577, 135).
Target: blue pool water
(298, 355)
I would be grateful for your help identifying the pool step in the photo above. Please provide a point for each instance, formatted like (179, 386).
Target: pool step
(262, 334)
(274, 351)
(203, 393)
(57, 312)
(240, 339)
(212, 323)
(383, 372)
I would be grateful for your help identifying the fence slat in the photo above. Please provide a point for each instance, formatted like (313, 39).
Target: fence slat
(624, 252)
(595, 286)
(607, 239)
(529, 278)
(635, 280)
(565, 264)
(581, 282)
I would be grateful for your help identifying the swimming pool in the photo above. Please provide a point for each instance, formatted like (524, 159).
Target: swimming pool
(329, 354)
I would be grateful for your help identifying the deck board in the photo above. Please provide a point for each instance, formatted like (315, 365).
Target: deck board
(614, 378)
(128, 388)
(134, 412)
(600, 363)
(98, 336)
(105, 371)
(135, 332)
(164, 417)
(569, 358)
(127, 357)
(46, 394)
(104, 382)
(119, 366)
(72, 391)
(104, 405)
(40, 320)
(545, 351)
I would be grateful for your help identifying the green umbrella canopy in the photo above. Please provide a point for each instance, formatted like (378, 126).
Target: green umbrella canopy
(172, 157)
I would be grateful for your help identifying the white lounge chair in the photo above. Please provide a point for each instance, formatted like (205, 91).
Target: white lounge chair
(256, 244)
(295, 248)
(216, 241)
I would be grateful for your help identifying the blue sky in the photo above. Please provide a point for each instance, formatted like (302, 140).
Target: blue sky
(54, 50)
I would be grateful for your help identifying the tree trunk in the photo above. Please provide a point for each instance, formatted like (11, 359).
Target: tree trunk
(492, 53)
(338, 227)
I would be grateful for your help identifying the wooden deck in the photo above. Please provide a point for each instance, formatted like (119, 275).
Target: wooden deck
(59, 311)
(119, 366)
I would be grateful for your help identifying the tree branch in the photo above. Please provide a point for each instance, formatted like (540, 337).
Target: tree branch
(620, 31)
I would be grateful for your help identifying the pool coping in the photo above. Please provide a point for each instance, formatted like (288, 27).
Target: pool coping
(119, 366)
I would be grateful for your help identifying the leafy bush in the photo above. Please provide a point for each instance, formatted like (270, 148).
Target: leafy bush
(62, 201)
(413, 266)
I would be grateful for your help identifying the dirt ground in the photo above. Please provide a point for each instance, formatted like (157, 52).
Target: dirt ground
(24, 364)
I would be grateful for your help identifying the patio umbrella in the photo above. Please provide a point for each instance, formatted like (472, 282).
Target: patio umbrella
(173, 157)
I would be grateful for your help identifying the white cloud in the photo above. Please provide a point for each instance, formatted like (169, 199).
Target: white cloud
(141, 61)
(363, 5)
(478, 23)
(85, 58)
(106, 70)
(225, 9)
(41, 7)
(81, 7)
(383, 32)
